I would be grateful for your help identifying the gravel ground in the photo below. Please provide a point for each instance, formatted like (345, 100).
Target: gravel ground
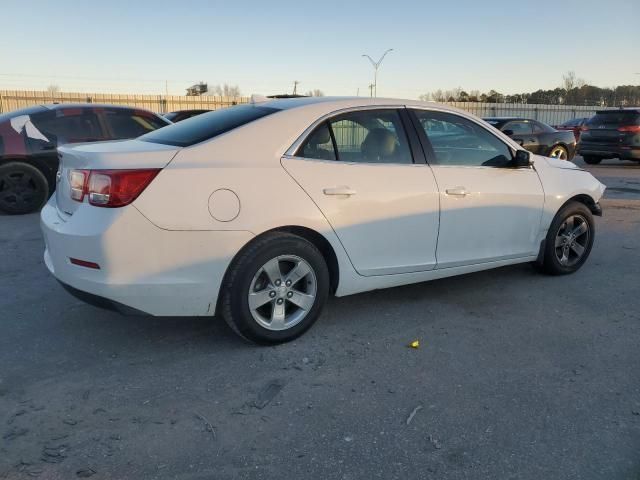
(518, 376)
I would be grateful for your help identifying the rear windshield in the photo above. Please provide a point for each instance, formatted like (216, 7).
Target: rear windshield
(208, 125)
(615, 118)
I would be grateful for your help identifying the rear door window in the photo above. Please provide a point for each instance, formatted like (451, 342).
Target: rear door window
(208, 125)
(519, 127)
(614, 119)
(130, 124)
(72, 125)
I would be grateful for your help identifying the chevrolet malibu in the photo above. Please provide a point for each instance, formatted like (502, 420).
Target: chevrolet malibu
(259, 212)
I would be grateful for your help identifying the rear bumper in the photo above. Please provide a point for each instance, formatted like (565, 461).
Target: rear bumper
(101, 302)
(143, 268)
(613, 151)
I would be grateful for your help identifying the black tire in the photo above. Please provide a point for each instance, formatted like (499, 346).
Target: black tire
(591, 160)
(553, 265)
(23, 188)
(560, 148)
(234, 305)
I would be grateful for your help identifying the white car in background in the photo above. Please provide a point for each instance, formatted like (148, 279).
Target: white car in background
(260, 211)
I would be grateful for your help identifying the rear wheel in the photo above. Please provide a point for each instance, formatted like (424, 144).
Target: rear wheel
(591, 160)
(275, 289)
(23, 188)
(569, 239)
(559, 152)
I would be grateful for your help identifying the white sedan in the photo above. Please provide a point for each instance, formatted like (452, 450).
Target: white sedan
(260, 211)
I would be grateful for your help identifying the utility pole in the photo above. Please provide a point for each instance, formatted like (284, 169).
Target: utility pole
(295, 86)
(376, 65)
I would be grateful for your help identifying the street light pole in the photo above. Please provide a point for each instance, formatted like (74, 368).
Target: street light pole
(376, 65)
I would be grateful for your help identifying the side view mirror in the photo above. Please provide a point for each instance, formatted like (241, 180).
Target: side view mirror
(522, 159)
(508, 132)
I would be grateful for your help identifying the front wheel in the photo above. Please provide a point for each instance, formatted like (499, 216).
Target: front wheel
(559, 152)
(569, 239)
(275, 289)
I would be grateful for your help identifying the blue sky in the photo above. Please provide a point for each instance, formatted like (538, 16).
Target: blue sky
(138, 45)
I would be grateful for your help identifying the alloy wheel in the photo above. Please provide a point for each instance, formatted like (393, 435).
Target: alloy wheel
(282, 292)
(572, 240)
(18, 190)
(559, 152)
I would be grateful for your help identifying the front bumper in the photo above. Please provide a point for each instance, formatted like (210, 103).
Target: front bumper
(142, 267)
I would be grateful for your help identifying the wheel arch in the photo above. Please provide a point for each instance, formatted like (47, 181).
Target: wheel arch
(309, 234)
(586, 200)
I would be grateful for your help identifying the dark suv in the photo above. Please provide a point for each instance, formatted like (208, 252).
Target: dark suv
(611, 134)
(29, 139)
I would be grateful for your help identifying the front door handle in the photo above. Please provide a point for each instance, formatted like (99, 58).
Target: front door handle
(457, 191)
(342, 190)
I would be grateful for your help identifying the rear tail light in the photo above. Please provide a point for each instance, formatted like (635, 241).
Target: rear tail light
(630, 129)
(584, 128)
(110, 188)
(78, 181)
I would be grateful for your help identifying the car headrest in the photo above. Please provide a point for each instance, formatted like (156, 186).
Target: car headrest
(320, 137)
(379, 143)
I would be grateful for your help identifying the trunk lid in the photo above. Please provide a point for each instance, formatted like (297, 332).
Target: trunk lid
(603, 127)
(118, 155)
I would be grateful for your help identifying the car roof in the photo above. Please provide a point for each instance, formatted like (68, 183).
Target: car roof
(505, 119)
(61, 106)
(330, 104)
(618, 110)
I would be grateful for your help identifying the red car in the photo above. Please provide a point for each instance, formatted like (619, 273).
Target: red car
(576, 125)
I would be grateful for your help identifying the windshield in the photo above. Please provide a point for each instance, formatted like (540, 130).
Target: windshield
(615, 118)
(206, 126)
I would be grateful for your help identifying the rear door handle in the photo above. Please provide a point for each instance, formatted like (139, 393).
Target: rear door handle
(457, 191)
(343, 190)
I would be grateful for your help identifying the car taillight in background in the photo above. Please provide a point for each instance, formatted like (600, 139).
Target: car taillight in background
(630, 129)
(110, 188)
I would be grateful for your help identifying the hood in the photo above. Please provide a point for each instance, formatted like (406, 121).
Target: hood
(556, 163)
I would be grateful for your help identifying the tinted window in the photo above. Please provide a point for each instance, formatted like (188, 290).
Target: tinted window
(127, 124)
(68, 126)
(318, 145)
(458, 141)
(371, 136)
(572, 123)
(519, 128)
(615, 118)
(208, 125)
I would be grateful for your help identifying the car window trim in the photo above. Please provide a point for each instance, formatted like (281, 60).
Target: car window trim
(292, 150)
(428, 148)
(326, 119)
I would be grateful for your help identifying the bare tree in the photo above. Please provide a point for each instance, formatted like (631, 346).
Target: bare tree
(53, 89)
(225, 90)
(315, 93)
(439, 96)
(570, 81)
(425, 97)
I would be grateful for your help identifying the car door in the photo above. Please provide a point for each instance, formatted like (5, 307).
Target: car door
(358, 168)
(489, 210)
(523, 134)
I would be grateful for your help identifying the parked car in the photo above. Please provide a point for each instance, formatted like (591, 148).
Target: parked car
(180, 115)
(611, 134)
(258, 212)
(537, 137)
(576, 125)
(29, 138)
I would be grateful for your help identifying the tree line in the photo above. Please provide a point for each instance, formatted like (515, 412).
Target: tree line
(572, 91)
